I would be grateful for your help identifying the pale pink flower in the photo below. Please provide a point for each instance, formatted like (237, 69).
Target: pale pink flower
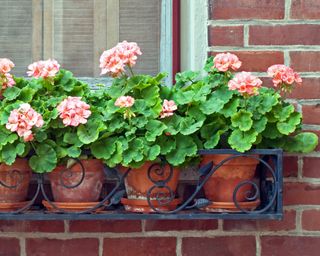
(113, 61)
(22, 120)
(43, 68)
(73, 111)
(225, 61)
(5, 65)
(168, 108)
(124, 102)
(245, 83)
(6, 80)
(282, 74)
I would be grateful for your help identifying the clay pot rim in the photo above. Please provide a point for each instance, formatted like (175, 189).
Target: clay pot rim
(245, 160)
(144, 202)
(60, 168)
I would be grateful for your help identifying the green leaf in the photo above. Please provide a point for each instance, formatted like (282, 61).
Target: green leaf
(135, 152)
(242, 120)
(230, 108)
(154, 129)
(45, 159)
(304, 142)
(289, 126)
(183, 97)
(40, 136)
(152, 152)
(11, 93)
(271, 131)
(20, 149)
(242, 141)
(283, 112)
(166, 143)
(74, 152)
(72, 138)
(116, 158)
(260, 125)
(89, 132)
(185, 147)
(26, 94)
(103, 149)
(189, 126)
(9, 154)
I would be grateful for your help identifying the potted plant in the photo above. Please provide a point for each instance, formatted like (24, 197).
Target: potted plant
(50, 114)
(15, 173)
(227, 111)
(134, 112)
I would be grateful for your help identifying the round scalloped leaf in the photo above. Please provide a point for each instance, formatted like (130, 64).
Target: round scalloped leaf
(304, 142)
(185, 147)
(242, 120)
(260, 125)
(12, 93)
(282, 113)
(45, 159)
(242, 141)
(289, 126)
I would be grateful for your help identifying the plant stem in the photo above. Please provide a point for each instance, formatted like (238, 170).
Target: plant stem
(130, 70)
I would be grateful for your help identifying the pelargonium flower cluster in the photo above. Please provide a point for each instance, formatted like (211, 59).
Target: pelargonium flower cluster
(245, 83)
(73, 111)
(168, 108)
(124, 102)
(44, 68)
(283, 76)
(22, 120)
(224, 61)
(114, 61)
(6, 79)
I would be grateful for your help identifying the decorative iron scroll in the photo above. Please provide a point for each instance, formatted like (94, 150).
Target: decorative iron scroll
(268, 190)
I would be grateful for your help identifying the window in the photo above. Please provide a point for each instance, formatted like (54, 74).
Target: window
(75, 32)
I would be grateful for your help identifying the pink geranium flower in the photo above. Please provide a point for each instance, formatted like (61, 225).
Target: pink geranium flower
(6, 80)
(168, 108)
(5, 65)
(283, 76)
(43, 68)
(124, 102)
(22, 120)
(245, 83)
(113, 61)
(73, 111)
(224, 61)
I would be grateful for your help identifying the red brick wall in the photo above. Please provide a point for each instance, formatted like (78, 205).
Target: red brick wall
(261, 32)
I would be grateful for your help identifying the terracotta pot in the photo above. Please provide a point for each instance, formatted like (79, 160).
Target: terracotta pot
(137, 182)
(17, 176)
(88, 190)
(221, 185)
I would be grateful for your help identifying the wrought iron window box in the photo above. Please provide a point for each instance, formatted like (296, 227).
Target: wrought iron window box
(269, 190)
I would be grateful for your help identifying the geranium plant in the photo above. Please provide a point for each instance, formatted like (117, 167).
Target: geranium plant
(236, 111)
(47, 117)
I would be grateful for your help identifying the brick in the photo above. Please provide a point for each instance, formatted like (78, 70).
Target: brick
(311, 167)
(290, 246)
(305, 61)
(309, 89)
(235, 245)
(9, 247)
(247, 9)
(31, 226)
(288, 223)
(116, 226)
(301, 193)
(305, 9)
(300, 34)
(54, 247)
(311, 220)
(226, 36)
(151, 246)
(257, 61)
(311, 114)
(290, 166)
(167, 225)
